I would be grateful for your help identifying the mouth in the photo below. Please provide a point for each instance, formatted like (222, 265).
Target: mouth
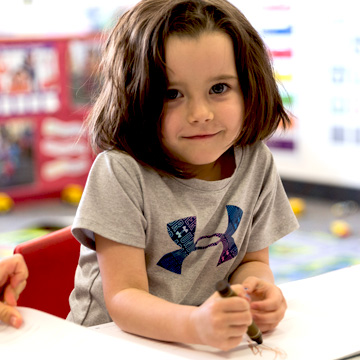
(200, 136)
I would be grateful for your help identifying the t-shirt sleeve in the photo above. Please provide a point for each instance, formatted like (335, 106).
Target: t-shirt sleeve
(111, 205)
(273, 217)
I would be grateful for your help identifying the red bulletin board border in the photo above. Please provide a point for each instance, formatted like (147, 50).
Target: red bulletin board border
(41, 147)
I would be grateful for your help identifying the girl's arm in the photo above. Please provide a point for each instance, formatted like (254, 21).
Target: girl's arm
(126, 291)
(268, 304)
(253, 264)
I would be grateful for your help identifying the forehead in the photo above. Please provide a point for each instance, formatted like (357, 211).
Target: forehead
(209, 54)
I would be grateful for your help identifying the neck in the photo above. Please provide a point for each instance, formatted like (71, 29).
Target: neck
(221, 169)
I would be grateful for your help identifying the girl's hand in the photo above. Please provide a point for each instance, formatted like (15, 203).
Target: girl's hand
(13, 275)
(268, 304)
(222, 322)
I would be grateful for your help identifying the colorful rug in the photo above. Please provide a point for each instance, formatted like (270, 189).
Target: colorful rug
(297, 256)
(9, 240)
(304, 254)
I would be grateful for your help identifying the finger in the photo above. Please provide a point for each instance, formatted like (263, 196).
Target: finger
(267, 305)
(268, 320)
(19, 289)
(10, 315)
(251, 283)
(274, 300)
(267, 317)
(11, 295)
(233, 304)
(239, 290)
(230, 343)
(257, 289)
(20, 273)
(14, 270)
(240, 318)
(233, 330)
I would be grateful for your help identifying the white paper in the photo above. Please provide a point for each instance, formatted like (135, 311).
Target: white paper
(322, 323)
(44, 336)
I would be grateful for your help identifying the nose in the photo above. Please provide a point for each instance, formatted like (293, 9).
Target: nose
(199, 111)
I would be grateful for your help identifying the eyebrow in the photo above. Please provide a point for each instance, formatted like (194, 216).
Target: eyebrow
(216, 78)
(225, 77)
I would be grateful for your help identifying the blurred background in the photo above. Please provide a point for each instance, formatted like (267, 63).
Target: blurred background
(49, 51)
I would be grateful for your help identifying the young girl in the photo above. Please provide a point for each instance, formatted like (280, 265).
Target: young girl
(185, 193)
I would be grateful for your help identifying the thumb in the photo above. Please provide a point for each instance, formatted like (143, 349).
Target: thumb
(239, 290)
(9, 315)
(251, 283)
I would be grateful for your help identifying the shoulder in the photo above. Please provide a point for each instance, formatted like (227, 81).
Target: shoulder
(260, 150)
(115, 157)
(257, 156)
(118, 162)
(257, 169)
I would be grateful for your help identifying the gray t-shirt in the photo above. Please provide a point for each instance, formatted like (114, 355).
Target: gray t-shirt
(194, 232)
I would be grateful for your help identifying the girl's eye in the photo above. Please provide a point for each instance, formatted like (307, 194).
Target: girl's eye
(218, 88)
(172, 94)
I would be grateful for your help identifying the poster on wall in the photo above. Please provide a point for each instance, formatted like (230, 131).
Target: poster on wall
(64, 154)
(42, 148)
(29, 78)
(17, 152)
(40, 155)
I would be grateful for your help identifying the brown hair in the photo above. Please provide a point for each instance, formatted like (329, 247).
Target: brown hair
(127, 113)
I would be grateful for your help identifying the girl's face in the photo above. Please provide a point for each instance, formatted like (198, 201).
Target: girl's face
(204, 110)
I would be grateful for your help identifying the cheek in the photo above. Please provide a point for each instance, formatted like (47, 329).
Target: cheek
(240, 115)
(167, 135)
(165, 129)
(240, 121)
(169, 125)
(234, 116)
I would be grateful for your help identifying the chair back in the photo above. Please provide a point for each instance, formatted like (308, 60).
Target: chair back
(52, 261)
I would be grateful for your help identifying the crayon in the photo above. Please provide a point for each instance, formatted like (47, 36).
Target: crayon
(224, 289)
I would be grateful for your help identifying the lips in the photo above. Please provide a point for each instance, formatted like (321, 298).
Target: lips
(200, 136)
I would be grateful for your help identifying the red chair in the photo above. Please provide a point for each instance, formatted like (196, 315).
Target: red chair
(51, 260)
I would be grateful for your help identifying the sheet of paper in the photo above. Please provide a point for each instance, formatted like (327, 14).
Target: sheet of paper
(295, 339)
(322, 323)
(246, 350)
(48, 337)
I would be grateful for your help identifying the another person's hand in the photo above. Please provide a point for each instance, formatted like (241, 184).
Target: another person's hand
(222, 322)
(13, 275)
(268, 304)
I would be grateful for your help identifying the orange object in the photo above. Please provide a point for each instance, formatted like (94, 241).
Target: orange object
(298, 205)
(51, 260)
(72, 193)
(340, 228)
(6, 203)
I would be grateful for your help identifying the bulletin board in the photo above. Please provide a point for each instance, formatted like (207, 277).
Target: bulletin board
(315, 48)
(46, 87)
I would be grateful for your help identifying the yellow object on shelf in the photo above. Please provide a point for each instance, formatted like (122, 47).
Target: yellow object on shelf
(340, 228)
(6, 203)
(298, 205)
(72, 193)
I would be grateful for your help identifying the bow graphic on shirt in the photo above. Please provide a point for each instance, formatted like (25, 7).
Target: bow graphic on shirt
(182, 232)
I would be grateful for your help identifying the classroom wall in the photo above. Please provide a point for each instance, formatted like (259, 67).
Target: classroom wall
(316, 52)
